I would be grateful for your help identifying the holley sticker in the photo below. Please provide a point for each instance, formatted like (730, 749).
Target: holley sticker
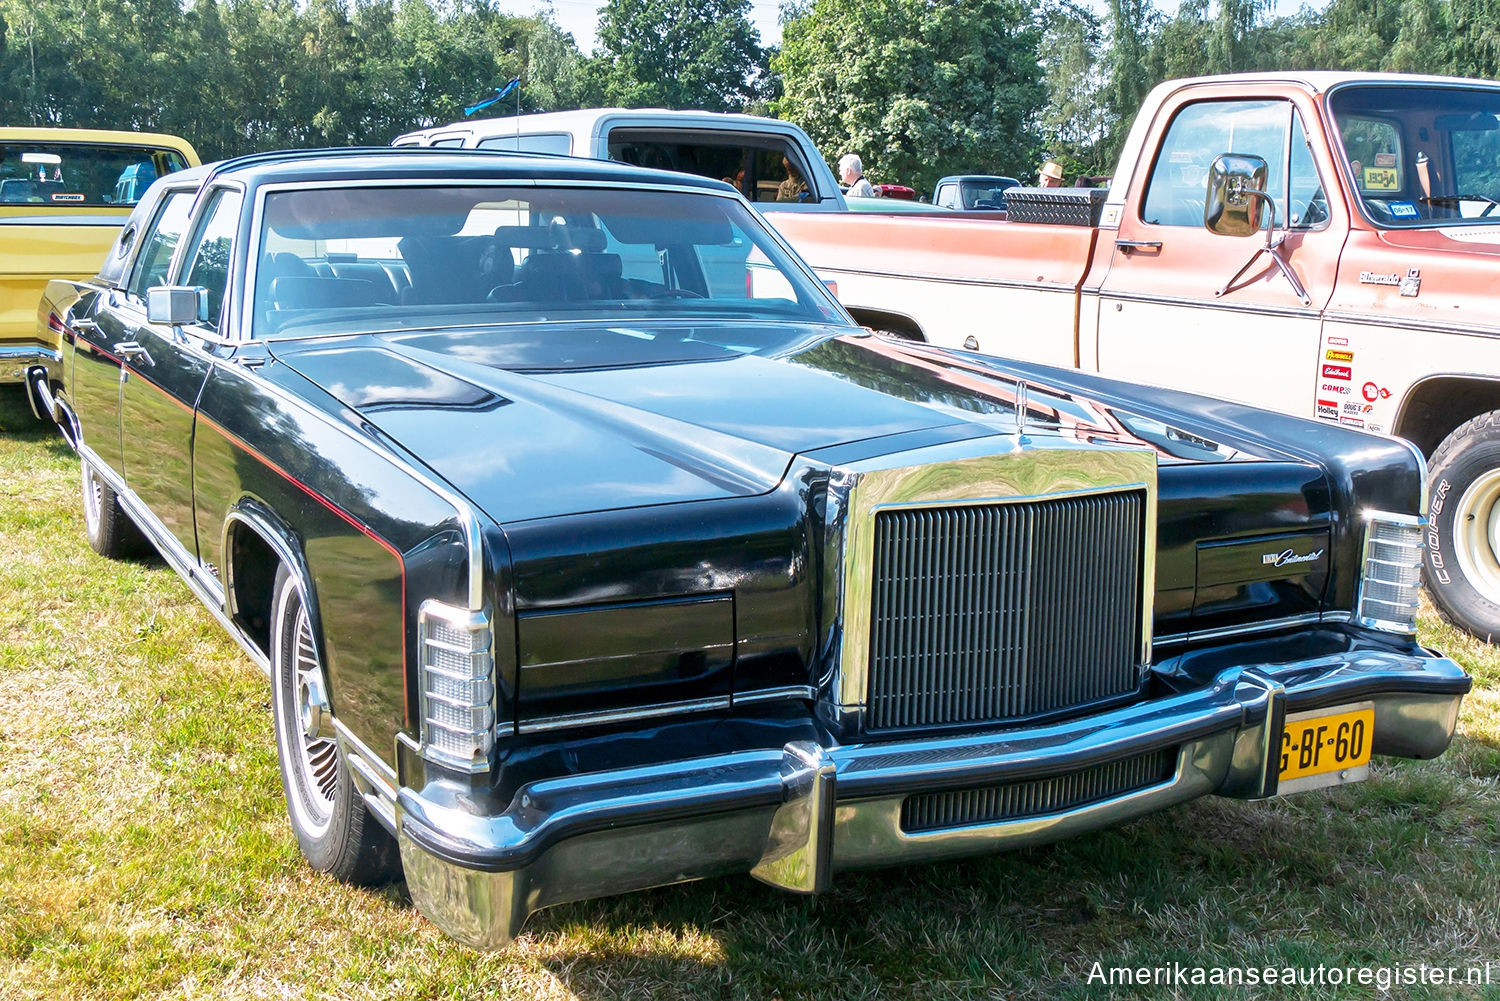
(1328, 410)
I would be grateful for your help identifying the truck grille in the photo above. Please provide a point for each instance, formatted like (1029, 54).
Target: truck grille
(992, 612)
(936, 811)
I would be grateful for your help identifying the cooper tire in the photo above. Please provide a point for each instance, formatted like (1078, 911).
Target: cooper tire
(335, 830)
(1462, 569)
(110, 531)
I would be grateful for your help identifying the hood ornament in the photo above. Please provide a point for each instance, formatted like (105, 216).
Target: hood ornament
(1022, 407)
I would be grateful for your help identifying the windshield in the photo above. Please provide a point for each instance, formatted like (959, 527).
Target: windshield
(1422, 156)
(398, 258)
(50, 173)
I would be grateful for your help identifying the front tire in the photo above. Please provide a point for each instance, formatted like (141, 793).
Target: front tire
(335, 830)
(110, 531)
(1462, 569)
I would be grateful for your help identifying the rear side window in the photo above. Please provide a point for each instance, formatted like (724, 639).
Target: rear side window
(48, 173)
(548, 143)
(160, 242)
(763, 168)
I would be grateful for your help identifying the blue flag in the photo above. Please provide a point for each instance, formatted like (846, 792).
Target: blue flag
(500, 95)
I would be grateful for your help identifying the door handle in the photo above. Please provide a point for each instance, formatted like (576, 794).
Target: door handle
(1127, 246)
(133, 351)
(84, 325)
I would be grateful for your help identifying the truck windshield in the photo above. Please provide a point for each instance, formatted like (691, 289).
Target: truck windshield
(67, 173)
(1422, 156)
(421, 255)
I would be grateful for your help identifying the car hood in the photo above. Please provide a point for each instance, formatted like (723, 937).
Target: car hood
(527, 424)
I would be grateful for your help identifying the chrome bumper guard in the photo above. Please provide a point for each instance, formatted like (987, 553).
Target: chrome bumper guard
(16, 359)
(794, 816)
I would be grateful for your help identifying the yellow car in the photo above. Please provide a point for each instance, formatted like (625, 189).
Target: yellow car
(64, 194)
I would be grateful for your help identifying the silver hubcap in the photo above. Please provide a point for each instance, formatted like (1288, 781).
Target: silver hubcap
(1476, 534)
(317, 757)
(93, 496)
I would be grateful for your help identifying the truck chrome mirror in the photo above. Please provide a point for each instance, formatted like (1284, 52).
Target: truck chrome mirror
(175, 305)
(1236, 195)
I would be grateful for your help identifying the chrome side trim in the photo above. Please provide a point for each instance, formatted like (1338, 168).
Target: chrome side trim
(1408, 323)
(607, 716)
(1251, 628)
(970, 473)
(1425, 497)
(384, 772)
(207, 590)
(1220, 305)
(378, 795)
(776, 694)
(922, 276)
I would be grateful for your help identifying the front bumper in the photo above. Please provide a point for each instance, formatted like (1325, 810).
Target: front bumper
(793, 816)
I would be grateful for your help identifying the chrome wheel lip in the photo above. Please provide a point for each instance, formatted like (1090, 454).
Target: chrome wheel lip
(1476, 535)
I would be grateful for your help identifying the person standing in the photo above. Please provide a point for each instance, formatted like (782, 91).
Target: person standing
(852, 173)
(1050, 176)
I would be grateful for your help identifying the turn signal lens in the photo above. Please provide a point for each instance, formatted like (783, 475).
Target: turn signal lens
(457, 686)
(1392, 573)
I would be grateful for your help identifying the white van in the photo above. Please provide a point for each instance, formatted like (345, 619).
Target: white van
(772, 162)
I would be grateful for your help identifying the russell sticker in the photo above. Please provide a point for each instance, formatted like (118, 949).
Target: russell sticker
(1338, 355)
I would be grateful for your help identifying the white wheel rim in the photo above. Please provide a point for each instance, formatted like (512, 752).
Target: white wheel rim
(1476, 535)
(313, 763)
(93, 496)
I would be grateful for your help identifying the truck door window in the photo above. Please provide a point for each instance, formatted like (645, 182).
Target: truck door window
(208, 259)
(1201, 132)
(550, 142)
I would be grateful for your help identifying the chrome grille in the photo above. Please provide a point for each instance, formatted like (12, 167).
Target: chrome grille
(998, 611)
(936, 811)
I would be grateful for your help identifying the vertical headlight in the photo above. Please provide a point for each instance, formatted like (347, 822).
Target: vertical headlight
(457, 686)
(1392, 572)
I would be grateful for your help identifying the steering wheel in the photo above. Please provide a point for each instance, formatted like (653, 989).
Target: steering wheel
(675, 293)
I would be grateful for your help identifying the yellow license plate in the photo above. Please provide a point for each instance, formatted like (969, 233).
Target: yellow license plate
(1326, 747)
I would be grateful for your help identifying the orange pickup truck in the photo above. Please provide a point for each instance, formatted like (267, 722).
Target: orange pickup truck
(1322, 244)
(64, 194)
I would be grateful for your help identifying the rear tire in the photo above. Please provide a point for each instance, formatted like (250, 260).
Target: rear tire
(335, 830)
(110, 531)
(1462, 568)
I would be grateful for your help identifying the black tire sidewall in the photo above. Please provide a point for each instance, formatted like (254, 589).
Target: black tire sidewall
(1456, 465)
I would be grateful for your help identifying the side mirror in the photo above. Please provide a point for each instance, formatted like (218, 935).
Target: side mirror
(1236, 195)
(175, 305)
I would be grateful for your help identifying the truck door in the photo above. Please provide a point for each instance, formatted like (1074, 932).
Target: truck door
(167, 367)
(1171, 312)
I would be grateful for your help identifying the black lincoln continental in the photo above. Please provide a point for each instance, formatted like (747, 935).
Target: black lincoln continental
(590, 546)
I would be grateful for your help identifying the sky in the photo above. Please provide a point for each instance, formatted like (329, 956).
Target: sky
(580, 18)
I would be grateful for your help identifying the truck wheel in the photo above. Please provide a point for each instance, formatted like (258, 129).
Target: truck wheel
(110, 531)
(334, 828)
(1463, 539)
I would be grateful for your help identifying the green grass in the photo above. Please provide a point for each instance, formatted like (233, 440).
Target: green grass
(145, 851)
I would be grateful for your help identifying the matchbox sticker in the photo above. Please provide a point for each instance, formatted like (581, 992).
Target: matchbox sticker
(1338, 355)
(1342, 372)
(1328, 410)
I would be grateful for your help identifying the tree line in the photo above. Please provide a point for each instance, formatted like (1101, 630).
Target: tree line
(919, 88)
